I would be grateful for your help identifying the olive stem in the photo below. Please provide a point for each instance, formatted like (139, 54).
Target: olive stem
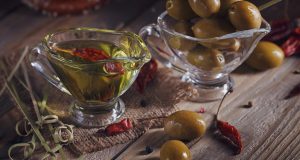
(268, 4)
(230, 90)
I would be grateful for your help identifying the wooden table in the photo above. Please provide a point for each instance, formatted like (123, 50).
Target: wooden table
(269, 130)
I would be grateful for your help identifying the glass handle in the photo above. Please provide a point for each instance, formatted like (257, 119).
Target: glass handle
(40, 63)
(153, 31)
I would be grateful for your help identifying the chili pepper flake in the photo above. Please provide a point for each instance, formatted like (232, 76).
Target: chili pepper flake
(201, 110)
(146, 75)
(120, 127)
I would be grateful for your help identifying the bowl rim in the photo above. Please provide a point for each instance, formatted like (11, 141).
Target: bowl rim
(237, 34)
(143, 58)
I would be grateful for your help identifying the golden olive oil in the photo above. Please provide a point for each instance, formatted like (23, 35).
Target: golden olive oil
(94, 82)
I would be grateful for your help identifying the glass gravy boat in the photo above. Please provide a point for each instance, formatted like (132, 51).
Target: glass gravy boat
(94, 66)
(206, 63)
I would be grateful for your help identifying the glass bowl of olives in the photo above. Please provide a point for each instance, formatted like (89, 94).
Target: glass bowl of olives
(205, 44)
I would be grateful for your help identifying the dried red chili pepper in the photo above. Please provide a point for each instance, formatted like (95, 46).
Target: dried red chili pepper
(294, 92)
(229, 132)
(117, 128)
(292, 44)
(146, 75)
(281, 29)
(90, 54)
(231, 135)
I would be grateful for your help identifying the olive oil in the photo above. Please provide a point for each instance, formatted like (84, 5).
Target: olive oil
(93, 71)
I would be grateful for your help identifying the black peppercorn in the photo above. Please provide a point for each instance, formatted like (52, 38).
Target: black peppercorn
(148, 149)
(297, 71)
(143, 103)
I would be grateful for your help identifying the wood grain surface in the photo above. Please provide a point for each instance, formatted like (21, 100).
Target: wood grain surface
(269, 130)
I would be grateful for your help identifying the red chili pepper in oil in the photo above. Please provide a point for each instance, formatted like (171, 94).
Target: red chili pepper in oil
(117, 128)
(94, 55)
(90, 54)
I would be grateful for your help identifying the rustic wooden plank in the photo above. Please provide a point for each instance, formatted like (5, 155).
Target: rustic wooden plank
(291, 149)
(284, 139)
(266, 129)
(100, 155)
(153, 138)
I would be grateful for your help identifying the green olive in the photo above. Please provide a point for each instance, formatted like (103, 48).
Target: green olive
(244, 15)
(230, 45)
(266, 55)
(175, 150)
(179, 9)
(184, 125)
(206, 59)
(209, 28)
(181, 43)
(205, 8)
(225, 5)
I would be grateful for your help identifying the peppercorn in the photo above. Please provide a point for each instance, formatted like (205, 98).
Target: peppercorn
(249, 105)
(143, 103)
(148, 149)
(297, 71)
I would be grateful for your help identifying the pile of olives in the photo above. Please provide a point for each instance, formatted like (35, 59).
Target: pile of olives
(208, 19)
(240, 15)
(181, 125)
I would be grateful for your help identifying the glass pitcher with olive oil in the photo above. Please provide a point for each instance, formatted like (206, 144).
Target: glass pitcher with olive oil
(94, 66)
